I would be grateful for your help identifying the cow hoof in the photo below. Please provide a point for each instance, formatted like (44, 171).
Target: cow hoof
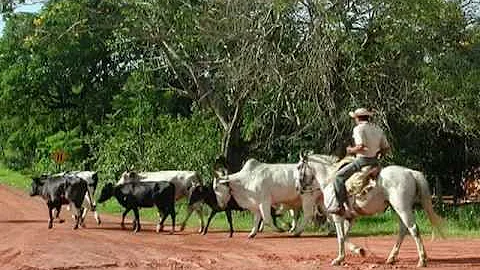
(203, 233)
(182, 228)
(390, 260)
(75, 227)
(50, 225)
(171, 232)
(251, 236)
(99, 222)
(61, 220)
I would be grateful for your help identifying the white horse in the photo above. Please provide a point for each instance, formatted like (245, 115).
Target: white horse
(396, 186)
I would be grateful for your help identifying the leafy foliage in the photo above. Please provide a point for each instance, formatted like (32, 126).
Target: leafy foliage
(171, 86)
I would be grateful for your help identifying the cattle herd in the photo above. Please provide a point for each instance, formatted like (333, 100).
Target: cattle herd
(161, 189)
(264, 189)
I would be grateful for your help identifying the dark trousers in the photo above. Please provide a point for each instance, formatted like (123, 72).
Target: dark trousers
(344, 173)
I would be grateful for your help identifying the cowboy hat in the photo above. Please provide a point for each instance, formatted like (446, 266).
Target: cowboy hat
(360, 112)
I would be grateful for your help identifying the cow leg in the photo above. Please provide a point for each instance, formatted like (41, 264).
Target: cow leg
(50, 214)
(295, 214)
(173, 215)
(199, 212)
(124, 214)
(162, 215)
(86, 206)
(95, 214)
(78, 210)
(265, 211)
(261, 226)
(308, 204)
(210, 217)
(228, 212)
(58, 208)
(136, 222)
(256, 224)
(189, 213)
(274, 220)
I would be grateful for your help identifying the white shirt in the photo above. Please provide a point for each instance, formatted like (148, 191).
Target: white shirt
(370, 136)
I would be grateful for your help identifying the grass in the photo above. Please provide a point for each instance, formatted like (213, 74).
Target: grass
(461, 221)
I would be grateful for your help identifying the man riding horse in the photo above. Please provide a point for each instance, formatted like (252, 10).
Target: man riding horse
(370, 142)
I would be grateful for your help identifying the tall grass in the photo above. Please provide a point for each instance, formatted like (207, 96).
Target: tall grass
(459, 221)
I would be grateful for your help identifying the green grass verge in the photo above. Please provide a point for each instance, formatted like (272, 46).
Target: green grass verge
(460, 221)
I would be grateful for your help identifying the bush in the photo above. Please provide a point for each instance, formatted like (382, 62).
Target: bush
(169, 143)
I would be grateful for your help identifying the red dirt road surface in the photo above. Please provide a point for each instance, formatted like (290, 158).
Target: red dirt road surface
(26, 243)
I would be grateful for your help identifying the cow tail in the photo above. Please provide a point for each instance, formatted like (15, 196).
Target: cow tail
(426, 201)
(94, 181)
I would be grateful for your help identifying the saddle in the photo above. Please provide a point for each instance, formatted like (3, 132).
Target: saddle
(361, 182)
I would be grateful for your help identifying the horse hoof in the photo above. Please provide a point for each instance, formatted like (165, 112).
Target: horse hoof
(422, 264)
(337, 261)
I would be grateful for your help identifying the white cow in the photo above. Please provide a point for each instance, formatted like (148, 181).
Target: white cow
(259, 186)
(92, 180)
(183, 181)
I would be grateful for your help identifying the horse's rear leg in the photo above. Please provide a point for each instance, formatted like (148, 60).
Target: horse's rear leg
(408, 219)
(396, 248)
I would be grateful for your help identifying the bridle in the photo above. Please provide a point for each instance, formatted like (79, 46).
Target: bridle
(305, 188)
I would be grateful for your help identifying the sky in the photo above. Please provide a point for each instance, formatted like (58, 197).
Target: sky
(22, 8)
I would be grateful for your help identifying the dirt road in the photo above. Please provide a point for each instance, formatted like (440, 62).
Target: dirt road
(26, 243)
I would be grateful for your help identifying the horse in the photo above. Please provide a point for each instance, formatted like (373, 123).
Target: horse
(396, 186)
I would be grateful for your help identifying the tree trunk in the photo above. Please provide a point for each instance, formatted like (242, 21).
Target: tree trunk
(234, 149)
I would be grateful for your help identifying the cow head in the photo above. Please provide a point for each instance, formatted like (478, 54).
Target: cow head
(37, 185)
(106, 193)
(222, 192)
(197, 194)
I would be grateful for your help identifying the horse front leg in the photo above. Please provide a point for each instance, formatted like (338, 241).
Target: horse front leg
(356, 250)
(339, 226)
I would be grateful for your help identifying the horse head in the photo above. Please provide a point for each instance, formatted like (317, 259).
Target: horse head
(305, 175)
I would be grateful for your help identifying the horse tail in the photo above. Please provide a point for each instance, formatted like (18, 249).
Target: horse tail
(426, 200)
